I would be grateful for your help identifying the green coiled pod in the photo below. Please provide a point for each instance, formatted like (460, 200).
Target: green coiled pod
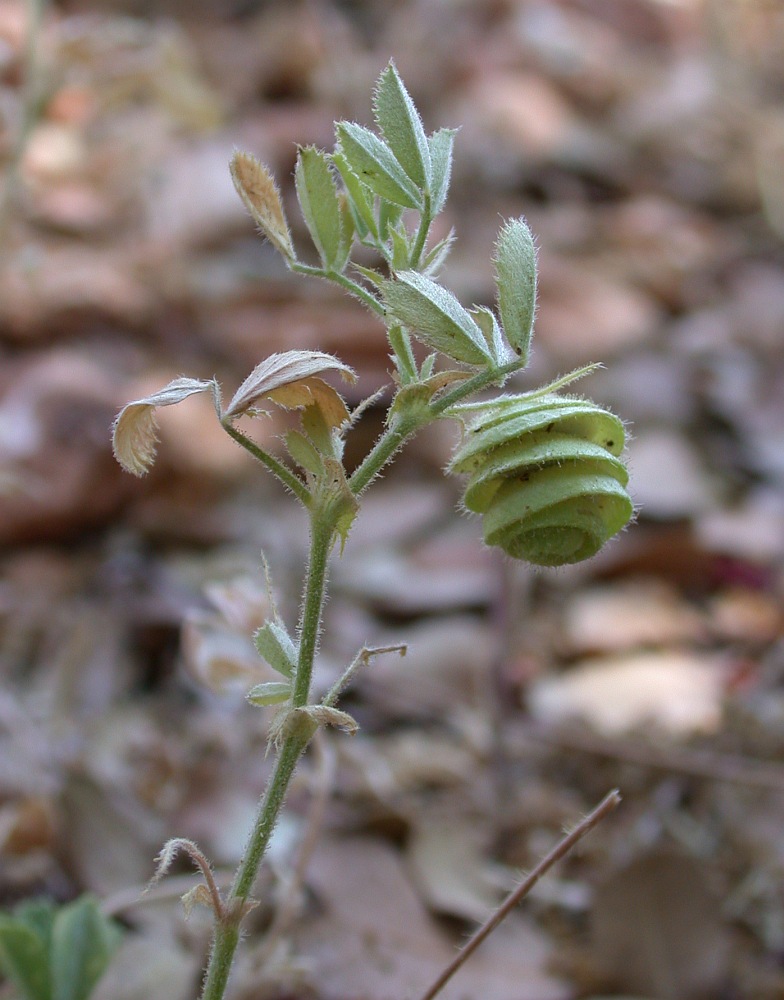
(545, 473)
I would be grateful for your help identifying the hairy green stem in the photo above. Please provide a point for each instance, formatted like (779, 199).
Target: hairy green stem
(494, 376)
(340, 279)
(405, 425)
(400, 343)
(321, 533)
(383, 450)
(227, 931)
(425, 221)
(284, 474)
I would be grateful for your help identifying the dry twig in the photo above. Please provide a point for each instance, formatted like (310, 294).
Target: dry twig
(561, 849)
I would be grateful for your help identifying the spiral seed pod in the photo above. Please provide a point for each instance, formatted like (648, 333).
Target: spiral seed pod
(545, 474)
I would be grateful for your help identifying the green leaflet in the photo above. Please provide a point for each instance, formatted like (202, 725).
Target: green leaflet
(360, 198)
(375, 165)
(515, 269)
(83, 941)
(56, 953)
(269, 693)
(24, 959)
(318, 199)
(275, 645)
(488, 324)
(389, 216)
(304, 452)
(441, 145)
(434, 316)
(401, 248)
(401, 126)
(437, 254)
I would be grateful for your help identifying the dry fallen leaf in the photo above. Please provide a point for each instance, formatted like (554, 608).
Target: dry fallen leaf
(221, 658)
(657, 928)
(108, 838)
(522, 110)
(450, 867)
(674, 691)
(376, 941)
(668, 475)
(637, 612)
(585, 314)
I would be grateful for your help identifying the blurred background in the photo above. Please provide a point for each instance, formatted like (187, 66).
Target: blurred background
(644, 142)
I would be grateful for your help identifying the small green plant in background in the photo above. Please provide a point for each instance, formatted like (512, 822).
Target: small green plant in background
(51, 952)
(543, 468)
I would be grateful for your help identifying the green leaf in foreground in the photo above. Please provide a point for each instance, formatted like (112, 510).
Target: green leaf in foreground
(83, 942)
(24, 959)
